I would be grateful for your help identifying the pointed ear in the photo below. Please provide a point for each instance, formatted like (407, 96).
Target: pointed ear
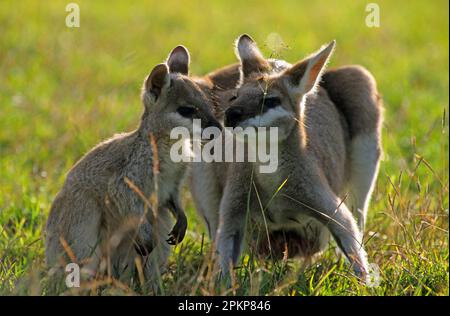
(252, 60)
(157, 81)
(305, 75)
(178, 60)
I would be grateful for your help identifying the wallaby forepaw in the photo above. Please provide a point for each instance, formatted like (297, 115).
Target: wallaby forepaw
(177, 234)
(175, 237)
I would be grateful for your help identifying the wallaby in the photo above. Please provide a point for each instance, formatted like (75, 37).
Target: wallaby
(324, 149)
(113, 207)
(353, 90)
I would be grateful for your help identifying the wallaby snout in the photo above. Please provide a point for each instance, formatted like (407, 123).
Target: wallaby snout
(233, 116)
(211, 123)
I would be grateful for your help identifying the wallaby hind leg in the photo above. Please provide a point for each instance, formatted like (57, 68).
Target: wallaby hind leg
(155, 263)
(80, 242)
(353, 90)
(122, 260)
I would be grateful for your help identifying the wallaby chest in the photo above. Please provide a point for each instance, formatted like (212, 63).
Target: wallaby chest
(167, 173)
(274, 191)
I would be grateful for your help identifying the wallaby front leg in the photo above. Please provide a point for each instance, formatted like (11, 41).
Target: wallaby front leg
(233, 210)
(230, 233)
(179, 229)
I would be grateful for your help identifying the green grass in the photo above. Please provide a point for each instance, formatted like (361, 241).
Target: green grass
(63, 90)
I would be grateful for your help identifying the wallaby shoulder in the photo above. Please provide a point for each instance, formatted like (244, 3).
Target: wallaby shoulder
(107, 158)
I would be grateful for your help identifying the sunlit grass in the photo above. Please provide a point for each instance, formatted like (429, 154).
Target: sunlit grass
(63, 90)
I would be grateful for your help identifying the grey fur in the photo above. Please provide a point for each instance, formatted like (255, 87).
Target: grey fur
(322, 163)
(100, 212)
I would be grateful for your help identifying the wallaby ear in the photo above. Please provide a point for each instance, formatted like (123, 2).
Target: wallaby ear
(252, 60)
(305, 75)
(178, 60)
(157, 80)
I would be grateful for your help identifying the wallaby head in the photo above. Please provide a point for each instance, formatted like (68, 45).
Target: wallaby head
(271, 98)
(172, 99)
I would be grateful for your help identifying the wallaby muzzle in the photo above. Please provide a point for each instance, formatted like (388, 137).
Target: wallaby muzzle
(211, 123)
(233, 116)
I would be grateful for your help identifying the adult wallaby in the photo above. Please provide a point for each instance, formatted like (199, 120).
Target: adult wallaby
(323, 151)
(114, 205)
(353, 91)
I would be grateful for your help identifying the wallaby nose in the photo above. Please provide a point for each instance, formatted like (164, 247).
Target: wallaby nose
(212, 123)
(233, 116)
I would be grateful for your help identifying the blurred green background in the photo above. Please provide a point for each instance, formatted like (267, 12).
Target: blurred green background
(62, 90)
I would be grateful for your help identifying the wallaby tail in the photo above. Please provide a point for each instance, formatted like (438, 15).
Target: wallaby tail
(353, 90)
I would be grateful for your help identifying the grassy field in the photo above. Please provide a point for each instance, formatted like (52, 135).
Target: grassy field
(62, 90)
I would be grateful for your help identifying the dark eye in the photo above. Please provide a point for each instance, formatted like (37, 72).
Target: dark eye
(272, 102)
(234, 97)
(186, 111)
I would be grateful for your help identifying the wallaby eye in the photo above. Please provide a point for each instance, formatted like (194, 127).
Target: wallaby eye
(186, 111)
(233, 97)
(272, 102)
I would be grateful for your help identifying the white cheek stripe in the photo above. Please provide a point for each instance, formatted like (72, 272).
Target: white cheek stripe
(267, 118)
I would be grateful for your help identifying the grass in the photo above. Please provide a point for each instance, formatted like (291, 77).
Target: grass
(63, 90)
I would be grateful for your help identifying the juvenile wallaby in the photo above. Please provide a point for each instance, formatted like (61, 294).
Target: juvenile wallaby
(114, 204)
(325, 149)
